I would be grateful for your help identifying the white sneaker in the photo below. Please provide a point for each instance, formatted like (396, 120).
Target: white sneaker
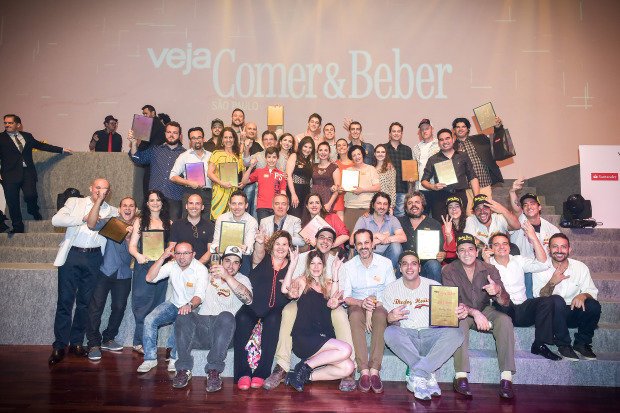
(171, 366)
(147, 365)
(417, 385)
(433, 386)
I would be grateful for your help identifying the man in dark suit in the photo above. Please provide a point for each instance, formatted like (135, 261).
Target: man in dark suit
(106, 139)
(18, 171)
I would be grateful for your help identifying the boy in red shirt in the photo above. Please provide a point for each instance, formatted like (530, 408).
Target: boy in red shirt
(271, 181)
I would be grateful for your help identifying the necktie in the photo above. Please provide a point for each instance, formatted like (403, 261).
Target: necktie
(110, 143)
(19, 143)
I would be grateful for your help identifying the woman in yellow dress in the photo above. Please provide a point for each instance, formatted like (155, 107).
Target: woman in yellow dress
(227, 150)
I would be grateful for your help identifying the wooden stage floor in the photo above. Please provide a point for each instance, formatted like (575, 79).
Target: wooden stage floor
(77, 384)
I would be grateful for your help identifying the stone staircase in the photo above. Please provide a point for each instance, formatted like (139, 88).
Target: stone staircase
(30, 283)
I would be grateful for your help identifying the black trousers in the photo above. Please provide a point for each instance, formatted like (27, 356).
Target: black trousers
(119, 292)
(246, 319)
(28, 185)
(205, 195)
(586, 321)
(533, 311)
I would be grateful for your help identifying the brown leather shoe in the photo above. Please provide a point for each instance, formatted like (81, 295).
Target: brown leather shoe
(80, 351)
(505, 389)
(275, 378)
(375, 383)
(347, 384)
(461, 386)
(364, 383)
(56, 357)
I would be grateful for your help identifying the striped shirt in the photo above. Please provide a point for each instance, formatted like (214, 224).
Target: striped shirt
(416, 302)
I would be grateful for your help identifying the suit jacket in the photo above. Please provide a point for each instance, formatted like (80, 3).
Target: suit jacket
(482, 143)
(292, 225)
(70, 216)
(12, 160)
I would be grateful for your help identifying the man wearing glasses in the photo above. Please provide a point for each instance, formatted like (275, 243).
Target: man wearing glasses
(194, 229)
(188, 279)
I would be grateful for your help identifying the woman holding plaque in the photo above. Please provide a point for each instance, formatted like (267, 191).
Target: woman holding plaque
(357, 201)
(343, 162)
(154, 222)
(314, 206)
(286, 146)
(453, 226)
(326, 178)
(258, 324)
(387, 173)
(299, 175)
(227, 152)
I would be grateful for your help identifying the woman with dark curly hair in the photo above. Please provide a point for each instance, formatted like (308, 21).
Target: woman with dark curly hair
(155, 217)
(299, 175)
(254, 350)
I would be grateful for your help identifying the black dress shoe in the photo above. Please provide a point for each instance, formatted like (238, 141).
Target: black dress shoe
(37, 217)
(80, 351)
(461, 386)
(3, 226)
(505, 389)
(543, 350)
(56, 357)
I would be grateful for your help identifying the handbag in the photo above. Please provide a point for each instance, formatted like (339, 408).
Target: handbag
(502, 147)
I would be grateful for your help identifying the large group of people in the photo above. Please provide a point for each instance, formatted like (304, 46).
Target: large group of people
(284, 291)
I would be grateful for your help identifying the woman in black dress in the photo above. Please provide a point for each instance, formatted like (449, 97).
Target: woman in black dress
(270, 263)
(313, 334)
(299, 175)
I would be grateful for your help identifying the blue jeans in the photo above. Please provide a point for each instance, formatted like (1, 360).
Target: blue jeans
(431, 269)
(392, 252)
(165, 313)
(250, 191)
(145, 296)
(529, 286)
(399, 205)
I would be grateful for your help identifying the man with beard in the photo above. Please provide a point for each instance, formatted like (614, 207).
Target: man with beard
(365, 277)
(178, 175)
(216, 128)
(237, 120)
(161, 158)
(250, 147)
(281, 221)
(398, 152)
(489, 217)
(324, 243)
(195, 229)
(575, 299)
(114, 278)
(415, 220)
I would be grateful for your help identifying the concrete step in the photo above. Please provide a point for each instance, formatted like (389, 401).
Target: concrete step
(9, 254)
(31, 239)
(592, 234)
(41, 226)
(608, 285)
(610, 310)
(584, 248)
(601, 264)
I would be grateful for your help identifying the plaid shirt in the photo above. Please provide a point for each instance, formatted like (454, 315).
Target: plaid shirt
(482, 172)
(401, 153)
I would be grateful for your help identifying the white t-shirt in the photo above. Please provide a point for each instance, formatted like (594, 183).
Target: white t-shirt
(184, 284)
(474, 227)
(519, 238)
(579, 281)
(427, 149)
(416, 301)
(219, 297)
(513, 275)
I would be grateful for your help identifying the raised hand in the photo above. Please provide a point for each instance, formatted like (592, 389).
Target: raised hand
(294, 256)
(260, 236)
(517, 184)
(447, 222)
(529, 230)
(335, 300)
(399, 313)
(487, 253)
(491, 288)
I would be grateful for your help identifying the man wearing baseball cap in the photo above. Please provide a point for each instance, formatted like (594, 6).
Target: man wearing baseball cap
(480, 285)
(427, 147)
(409, 335)
(216, 128)
(106, 139)
(489, 217)
(213, 325)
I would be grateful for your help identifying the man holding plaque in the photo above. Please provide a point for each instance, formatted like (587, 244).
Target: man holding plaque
(190, 171)
(386, 229)
(398, 152)
(478, 149)
(452, 173)
(195, 229)
(423, 233)
(427, 147)
(479, 285)
(78, 260)
(409, 335)
(489, 217)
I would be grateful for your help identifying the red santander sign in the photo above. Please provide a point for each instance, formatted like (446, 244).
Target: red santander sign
(604, 176)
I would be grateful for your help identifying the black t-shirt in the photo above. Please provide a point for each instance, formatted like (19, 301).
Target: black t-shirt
(183, 231)
(412, 234)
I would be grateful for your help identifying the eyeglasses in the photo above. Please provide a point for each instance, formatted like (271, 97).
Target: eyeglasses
(184, 253)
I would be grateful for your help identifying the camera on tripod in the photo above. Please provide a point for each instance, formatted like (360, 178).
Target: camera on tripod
(577, 213)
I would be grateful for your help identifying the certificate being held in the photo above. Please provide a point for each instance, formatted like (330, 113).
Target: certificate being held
(229, 173)
(141, 127)
(195, 172)
(275, 115)
(485, 115)
(153, 244)
(231, 233)
(428, 244)
(310, 230)
(445, 172)
(115, 229)
(350, 179)
(410, 170)
(443, 303)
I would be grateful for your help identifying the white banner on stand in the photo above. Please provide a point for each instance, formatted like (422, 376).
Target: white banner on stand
(599, 170)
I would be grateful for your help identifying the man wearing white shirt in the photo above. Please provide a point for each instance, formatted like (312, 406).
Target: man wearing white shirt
(195, 154)
(281, 221)
(489, 217)
(213, 326)
(570, 279)
(238, 213)
(427, 147)
(409, 336)
(365, 277)
(188, 280)
(524, 311)
(78, 260)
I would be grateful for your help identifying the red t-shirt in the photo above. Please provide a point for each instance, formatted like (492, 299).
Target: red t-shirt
(269, 184)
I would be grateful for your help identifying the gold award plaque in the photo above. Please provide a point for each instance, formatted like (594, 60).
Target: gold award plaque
(443, 303)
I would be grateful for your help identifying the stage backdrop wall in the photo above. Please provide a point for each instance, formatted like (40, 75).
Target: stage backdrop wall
(549, 67)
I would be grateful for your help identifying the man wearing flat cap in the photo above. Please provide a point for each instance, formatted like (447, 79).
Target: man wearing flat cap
(106, 139)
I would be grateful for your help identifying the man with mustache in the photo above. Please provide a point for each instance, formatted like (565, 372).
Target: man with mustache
(489, 217)
(216, 128)
(571, 281)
